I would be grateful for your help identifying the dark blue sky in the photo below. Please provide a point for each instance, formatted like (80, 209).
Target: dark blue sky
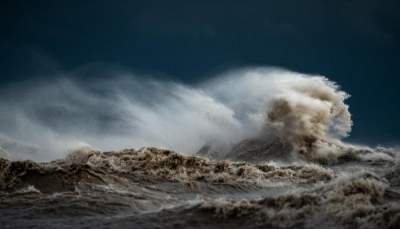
(355, 43)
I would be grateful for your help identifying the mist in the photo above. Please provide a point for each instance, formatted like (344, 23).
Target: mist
(44, 120)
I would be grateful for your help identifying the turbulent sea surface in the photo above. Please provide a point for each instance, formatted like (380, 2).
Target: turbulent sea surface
(269, 155)
(154, 188)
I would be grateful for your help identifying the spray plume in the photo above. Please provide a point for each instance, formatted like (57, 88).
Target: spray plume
(44, 120)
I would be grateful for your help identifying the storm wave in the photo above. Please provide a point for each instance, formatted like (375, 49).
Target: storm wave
(46, 120)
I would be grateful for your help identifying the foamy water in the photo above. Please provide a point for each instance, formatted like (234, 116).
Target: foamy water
(159, 188)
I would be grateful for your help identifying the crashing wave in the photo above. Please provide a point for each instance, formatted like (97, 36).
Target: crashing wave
(306, 112)
(274, 156)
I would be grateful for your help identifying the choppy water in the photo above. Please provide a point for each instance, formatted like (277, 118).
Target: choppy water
(153, 188)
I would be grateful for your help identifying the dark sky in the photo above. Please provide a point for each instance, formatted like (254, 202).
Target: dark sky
(355, 43)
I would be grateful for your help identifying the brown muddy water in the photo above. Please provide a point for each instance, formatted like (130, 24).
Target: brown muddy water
(154, 188)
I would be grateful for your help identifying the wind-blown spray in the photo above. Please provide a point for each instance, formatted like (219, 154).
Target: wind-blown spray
(47, 119)
(310, 113)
